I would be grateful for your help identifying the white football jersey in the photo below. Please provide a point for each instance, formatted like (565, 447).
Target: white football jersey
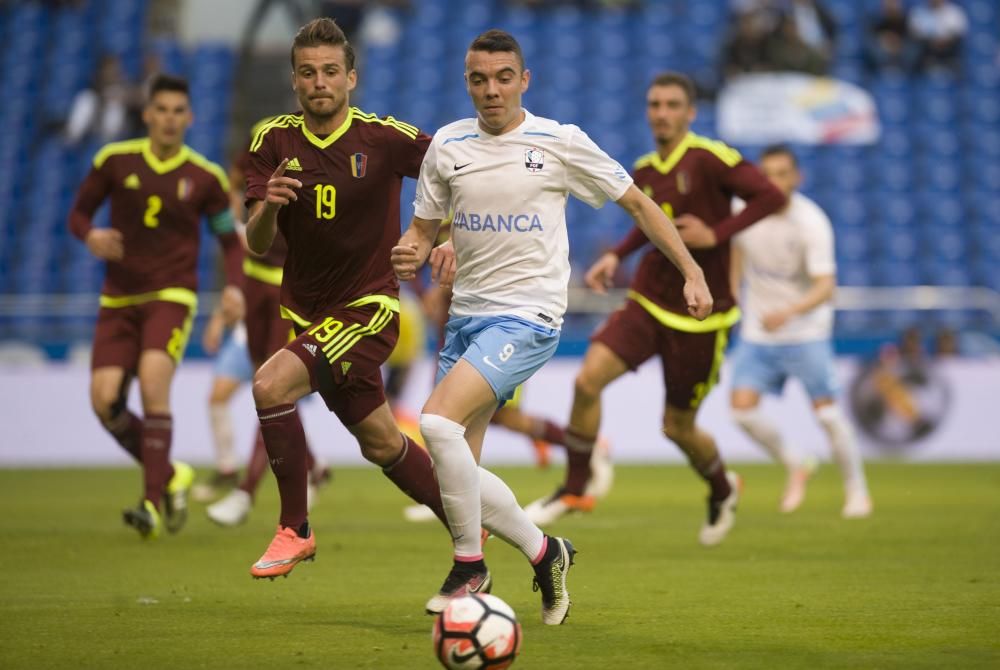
(508, 196)
(781, 253)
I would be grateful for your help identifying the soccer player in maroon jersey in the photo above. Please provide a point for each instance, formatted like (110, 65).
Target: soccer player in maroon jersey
(694, 179)
(329, 179)
(159, 189)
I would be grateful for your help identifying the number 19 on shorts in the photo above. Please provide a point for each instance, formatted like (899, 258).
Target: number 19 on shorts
(326, 201)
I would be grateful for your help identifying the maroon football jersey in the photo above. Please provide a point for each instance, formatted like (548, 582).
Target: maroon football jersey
(341, 230)
(157, 205)
(700, 177)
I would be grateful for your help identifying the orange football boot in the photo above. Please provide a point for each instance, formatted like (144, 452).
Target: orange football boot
(286, 550)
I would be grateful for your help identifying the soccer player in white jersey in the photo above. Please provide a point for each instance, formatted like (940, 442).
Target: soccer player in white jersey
(507, 174)
(786, 263)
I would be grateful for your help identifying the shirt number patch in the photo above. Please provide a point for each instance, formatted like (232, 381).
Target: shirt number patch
(326, 201)
(153, 206)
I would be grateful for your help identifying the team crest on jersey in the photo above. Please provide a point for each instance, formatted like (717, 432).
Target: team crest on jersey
(359, 163)
(184, 187)
(534, 159)
(132, 182)
(683, 182)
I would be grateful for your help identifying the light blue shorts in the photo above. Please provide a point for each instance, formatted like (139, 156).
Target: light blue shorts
(233, 360)
(765, 367)
(505, 350)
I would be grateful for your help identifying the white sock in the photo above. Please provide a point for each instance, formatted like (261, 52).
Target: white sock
(762, 430)
(458, 478)
(222, 434)
(505, 518)
(844, 447)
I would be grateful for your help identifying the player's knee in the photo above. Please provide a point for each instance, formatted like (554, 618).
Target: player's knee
(587, 386)
(744, 416)
(103, 403)
(677, 431)
(437, 430)
(267, 391)
(832, 419)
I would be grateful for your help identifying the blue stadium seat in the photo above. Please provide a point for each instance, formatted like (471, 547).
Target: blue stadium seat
(855, 273)
(897, 273)
(853, 244)
(936, 272)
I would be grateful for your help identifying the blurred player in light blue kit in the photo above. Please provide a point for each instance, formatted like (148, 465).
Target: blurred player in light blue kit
(787, 268)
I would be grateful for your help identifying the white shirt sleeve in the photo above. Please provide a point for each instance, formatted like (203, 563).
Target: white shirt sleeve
(592, 175)
(433, 192)
(820, 255)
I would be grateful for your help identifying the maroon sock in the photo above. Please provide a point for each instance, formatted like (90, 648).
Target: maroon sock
(256, 467)
(413, 474)
(157, 430)
(578, 450)
(286, 450)
(310, 459)
(715, 475)
(552, 433)
(126, 428)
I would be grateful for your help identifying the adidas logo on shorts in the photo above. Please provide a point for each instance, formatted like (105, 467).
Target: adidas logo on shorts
(311, 348)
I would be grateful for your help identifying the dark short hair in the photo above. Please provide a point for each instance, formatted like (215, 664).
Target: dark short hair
(682, 81)
(168, 82)
(779, 150)
(495, 40)
(323, 31)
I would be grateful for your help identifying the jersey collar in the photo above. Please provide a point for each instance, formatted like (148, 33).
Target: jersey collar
(163, 166)
(332, 137)
(516, 130)
(665, 165)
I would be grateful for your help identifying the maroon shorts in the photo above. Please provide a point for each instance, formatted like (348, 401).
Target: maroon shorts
(691, 361)
(123, 333)
(344, 352)
(267, 332)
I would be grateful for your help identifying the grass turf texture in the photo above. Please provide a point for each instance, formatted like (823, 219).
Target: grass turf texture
(915, 586)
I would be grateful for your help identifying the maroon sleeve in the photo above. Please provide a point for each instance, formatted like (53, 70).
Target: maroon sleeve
(408, 153)
(259, 166)
(635, 240)
(94, 189)
(216, 206)
(217, 198)
(232, 258)
(761, 196)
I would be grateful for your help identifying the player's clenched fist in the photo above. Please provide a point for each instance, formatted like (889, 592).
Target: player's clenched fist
(106, 243)
(405, 261)
(698, 297)
(281, 189)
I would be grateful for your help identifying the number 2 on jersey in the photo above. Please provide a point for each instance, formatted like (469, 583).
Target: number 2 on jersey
(153, 206)
(326, 201)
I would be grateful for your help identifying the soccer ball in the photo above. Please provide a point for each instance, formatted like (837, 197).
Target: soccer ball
(477, 631)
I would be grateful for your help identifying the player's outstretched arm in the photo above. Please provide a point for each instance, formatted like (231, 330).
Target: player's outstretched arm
(263, 220)
(661, 232)
(414, 247)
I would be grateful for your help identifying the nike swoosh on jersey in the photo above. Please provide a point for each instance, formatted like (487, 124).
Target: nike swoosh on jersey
(459, 167)
(486, 359)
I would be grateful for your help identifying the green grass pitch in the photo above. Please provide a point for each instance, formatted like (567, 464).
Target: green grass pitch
(915, 586)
